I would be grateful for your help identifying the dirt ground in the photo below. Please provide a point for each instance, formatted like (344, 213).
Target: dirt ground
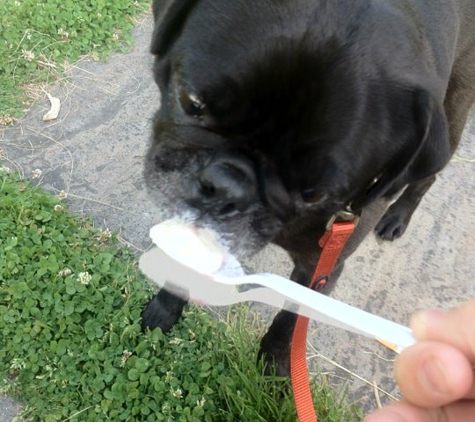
(94, 152)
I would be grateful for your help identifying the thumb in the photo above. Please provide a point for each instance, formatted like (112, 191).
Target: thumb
(438, 369)
(455, 327)
(431, 374)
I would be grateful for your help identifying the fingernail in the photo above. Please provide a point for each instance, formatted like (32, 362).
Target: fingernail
(424, 319)
(432, 377)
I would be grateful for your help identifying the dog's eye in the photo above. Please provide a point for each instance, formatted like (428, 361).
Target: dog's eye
(191, 104)
(311, 196)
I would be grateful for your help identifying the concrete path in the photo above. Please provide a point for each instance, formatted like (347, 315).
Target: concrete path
(94, 152)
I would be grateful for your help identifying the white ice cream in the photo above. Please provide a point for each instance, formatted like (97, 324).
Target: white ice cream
(196, 248)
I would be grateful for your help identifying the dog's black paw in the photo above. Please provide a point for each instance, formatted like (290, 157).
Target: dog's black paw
(394, 222)
(392, 225)
(276, 343)
(162, 311)
(276, 358)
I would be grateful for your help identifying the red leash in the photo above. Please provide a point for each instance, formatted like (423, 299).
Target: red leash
(332, 243)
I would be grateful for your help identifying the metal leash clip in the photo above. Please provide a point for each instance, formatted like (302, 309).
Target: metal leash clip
(343, 215)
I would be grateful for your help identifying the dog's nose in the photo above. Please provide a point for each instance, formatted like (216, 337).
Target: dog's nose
(225, 187)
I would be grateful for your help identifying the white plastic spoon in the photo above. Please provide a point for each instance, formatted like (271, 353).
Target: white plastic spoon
(204, 273)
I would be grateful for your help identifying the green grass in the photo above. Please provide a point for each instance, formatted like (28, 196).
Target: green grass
(40, 38)
(71, 347)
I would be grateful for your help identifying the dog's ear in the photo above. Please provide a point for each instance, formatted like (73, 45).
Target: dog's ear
(425, 149)
(170, 17)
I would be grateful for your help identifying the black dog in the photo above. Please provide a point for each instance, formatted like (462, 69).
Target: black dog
(278, 114)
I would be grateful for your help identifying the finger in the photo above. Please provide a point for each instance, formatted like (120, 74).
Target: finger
(455, 327)
(403, 411)
(431, 374)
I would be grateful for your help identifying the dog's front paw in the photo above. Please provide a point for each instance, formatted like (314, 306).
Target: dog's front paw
(162, 311)
(392, 225)
(276, 358)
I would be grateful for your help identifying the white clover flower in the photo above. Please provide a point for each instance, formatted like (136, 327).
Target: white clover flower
(64, 34)
(5, 120)
(58, 208)
(201, 403)
(115, 37)
(64, 272)
(105, 235)
(125, 355)
(27, 55)
(62, 195)
(17, 364)
(177, 393)
(36, 174)
(84, 277)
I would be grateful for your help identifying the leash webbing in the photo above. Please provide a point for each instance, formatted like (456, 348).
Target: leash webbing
(332, 243)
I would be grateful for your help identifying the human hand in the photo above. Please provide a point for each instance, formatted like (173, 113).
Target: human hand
(436, 375)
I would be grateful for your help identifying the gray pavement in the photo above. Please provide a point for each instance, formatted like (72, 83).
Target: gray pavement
(94, 152)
